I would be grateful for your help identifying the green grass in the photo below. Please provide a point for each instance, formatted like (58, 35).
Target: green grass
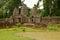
(50, 27)
(54, 27)
(9, 33)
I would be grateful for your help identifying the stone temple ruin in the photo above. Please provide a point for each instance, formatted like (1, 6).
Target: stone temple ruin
(34, 17)
(22, 16)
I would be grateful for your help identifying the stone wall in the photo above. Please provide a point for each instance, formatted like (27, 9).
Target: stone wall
(53, 20)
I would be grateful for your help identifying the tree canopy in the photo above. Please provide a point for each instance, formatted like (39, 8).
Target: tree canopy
(51, 7)
(7, 6)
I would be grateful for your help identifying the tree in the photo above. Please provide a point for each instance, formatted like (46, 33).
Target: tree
(8, 6)
(46, 7)
(2, 2)
(37, 5)
(51, 7)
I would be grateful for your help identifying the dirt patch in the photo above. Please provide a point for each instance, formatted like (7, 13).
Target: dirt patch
(40, 35)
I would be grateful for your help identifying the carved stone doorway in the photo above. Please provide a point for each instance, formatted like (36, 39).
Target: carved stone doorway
(19, 19)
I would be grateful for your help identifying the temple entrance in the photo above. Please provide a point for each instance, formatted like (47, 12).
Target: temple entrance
(19, 19)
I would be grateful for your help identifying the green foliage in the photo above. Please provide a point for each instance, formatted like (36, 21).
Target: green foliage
(54, 27)
(18, 25)
(29, 11)
(7, 7)
(2, 2)
(9, 34)
(51, 7)
(37, 5)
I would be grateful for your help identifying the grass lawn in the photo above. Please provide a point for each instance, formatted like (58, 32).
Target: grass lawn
(9, 33)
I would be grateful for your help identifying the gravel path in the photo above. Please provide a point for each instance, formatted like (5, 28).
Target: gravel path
(40, 35)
